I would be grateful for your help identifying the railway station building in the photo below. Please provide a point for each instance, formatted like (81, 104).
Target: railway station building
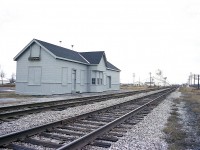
(45, 69)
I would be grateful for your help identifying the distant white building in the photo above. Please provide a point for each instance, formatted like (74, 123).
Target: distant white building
(46, 69)
(4, 82)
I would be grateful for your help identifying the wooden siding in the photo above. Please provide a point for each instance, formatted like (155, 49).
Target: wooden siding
(56, 75)
(52, 75)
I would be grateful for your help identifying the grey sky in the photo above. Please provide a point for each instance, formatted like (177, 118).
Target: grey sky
(138, 36)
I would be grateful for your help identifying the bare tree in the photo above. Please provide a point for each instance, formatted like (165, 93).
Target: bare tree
(12, 79)
(2, 74)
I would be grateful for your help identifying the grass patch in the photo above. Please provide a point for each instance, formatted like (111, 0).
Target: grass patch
(12, 95)
(175, 136)
(196, 109)
(7, 85)
(131, 87)
(17, 96)
(193, 98)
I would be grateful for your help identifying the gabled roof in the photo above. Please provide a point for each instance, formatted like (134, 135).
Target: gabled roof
(111, 66)
(88, 58)
(93, 57)
(63, 52)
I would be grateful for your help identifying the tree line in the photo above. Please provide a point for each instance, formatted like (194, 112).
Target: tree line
(3, 75)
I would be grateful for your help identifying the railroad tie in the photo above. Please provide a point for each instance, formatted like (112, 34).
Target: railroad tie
(19, 147)
(108, 138)
(100, 144)
(42, 143)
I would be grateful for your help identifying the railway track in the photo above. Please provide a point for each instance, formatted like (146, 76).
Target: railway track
(98, 128)
(11, 113)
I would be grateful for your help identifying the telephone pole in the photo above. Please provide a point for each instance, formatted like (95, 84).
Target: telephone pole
(133, 79)
(150, 79)
(198, 81)
(191, 78)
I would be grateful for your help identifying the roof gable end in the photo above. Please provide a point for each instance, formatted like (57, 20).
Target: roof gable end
(61, 52)
(56, 51)
(93, 58)
(26, 48)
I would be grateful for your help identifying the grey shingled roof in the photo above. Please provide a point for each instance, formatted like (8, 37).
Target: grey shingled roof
(93, 57)
(111, 66)
(89, 58)
(63, 52)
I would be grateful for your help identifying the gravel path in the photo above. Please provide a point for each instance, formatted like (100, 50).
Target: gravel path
(147, 134)
(51, 116)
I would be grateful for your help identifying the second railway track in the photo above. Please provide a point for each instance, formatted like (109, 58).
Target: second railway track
(10, 113)
(97, 128)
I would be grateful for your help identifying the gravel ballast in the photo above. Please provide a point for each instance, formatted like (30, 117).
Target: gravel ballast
(38, 119)
(147, 134)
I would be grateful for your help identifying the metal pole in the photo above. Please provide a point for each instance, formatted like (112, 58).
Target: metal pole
(189, 81)
(139, 81)
(198, 81)
(150, 79)
(194, 80)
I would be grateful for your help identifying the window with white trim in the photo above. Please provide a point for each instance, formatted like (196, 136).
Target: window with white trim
(97, 77)
(94, 81)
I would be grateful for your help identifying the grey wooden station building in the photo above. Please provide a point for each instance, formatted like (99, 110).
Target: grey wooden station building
(45, 69)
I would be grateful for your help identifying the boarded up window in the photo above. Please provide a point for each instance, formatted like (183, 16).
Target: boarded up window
(34, 75)
(104, 79)
(93, 74)
(97, 74)
(35, 50)
(83, 77)
(64, 75)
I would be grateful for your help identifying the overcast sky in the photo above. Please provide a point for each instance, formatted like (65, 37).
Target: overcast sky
(138, 36)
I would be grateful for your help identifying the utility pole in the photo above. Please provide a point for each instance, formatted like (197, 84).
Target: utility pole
(139, 81)
(191, 78)
(198, 81)
(194, 79)
(133, 79)
(150, 79)
(189, 81)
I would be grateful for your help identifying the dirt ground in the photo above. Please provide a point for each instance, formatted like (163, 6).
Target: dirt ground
(183, 127)
(131, 87)
(9, 92)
